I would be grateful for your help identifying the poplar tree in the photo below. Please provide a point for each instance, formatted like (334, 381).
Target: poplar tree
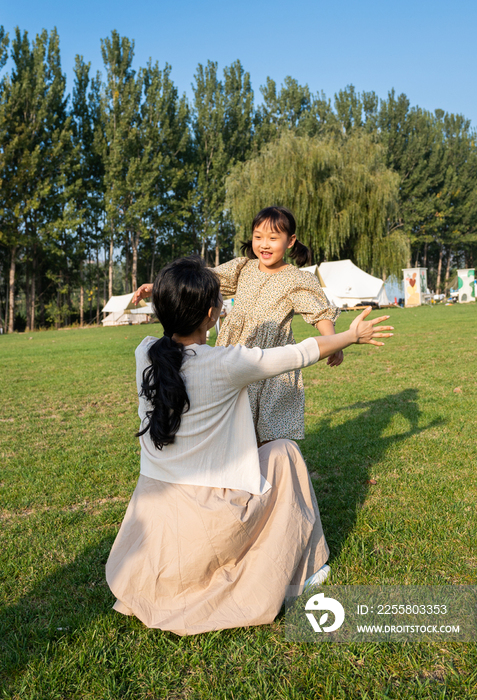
(357, 111)
(222, 130)
(156, 169)
(414, 149)
(211, 157)
(7, 226)
(85, 113)
(37, 155)
(166, 143)
(456, 198)
(292, 107)
(120, 115)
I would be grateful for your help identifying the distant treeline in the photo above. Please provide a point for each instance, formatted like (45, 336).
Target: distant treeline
(101, 188)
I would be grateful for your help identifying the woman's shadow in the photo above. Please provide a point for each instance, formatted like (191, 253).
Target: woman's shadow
(342, 457)
(55, 608)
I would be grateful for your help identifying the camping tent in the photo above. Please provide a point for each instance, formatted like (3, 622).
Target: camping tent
(346, 285)
(122, 312)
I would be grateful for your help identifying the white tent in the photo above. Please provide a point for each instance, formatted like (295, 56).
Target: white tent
(122, 312)
(346, 285)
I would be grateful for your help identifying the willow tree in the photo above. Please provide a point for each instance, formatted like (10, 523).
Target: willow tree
(340, 190)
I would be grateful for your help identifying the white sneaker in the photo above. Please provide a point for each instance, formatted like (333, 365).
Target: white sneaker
(318, 577)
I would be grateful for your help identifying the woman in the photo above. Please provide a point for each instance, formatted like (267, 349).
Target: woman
(217, 530)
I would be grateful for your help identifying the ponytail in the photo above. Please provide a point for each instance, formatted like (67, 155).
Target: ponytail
(300, 254)
(247, 250)
(163, 386)
(182, 295)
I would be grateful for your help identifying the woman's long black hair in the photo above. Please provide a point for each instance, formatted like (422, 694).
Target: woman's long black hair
(281, 219)
(182, 295)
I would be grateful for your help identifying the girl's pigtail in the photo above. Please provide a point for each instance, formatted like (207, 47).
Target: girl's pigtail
(247, 250)
(163, 386)
(301, 254)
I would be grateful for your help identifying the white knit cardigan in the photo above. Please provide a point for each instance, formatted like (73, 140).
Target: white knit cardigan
(215, 444)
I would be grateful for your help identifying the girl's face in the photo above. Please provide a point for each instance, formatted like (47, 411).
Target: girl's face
(270, 245)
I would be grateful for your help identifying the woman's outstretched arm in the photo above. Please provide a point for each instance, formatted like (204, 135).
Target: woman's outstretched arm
(247, 365)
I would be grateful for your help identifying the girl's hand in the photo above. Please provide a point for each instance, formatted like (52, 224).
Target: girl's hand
(367, 331)
(144, 291)
(336, 359)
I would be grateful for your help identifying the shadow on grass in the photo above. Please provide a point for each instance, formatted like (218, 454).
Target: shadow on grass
(56, 607)
(341, 458)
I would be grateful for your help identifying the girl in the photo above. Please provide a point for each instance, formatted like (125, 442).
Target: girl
(267, 293)
(216, 530)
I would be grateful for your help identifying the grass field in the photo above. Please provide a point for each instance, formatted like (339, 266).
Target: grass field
(403, 416)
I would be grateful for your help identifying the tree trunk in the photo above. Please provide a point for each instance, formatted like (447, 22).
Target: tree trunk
(104, 276)
(424, 260)
(27, 297)
(81, 309)
(126, 275)
(151, 276)
(468, 258)
(42, 303)
(97, 286)
(416, 263)
(58, 306)
(81, 266)
(439, 270)
(33, 291)
(67, 319)
(135, 242)
(5, 327)
(11, 291)
(3, 320)
(448, 265)
(111, 253)
(217, 250)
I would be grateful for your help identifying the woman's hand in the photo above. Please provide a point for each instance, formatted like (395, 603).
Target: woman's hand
(360, 331)
(367, 331)
(144, 291)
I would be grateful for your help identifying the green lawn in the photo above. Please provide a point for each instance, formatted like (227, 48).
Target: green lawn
(403, 416)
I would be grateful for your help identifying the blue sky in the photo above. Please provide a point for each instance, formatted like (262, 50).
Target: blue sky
(426, 49)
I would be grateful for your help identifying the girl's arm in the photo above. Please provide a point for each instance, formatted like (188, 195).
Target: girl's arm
(228, 274)
(143, 292)
(310, 301)
(327, 327)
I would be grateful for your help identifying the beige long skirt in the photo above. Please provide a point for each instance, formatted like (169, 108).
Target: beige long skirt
(192, 559)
